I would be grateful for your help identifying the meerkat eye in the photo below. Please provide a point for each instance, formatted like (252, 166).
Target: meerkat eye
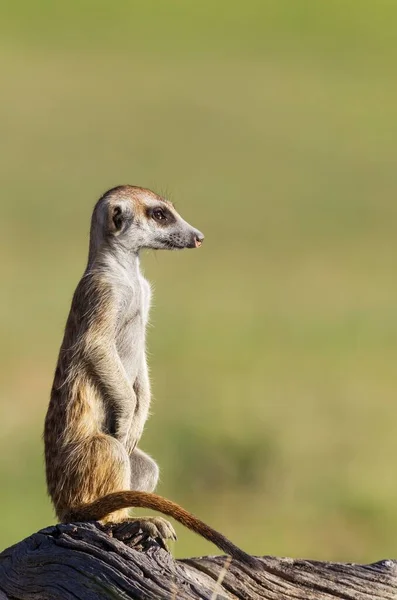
(159, 215)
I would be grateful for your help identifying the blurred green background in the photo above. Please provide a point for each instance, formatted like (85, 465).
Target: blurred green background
(272, 125)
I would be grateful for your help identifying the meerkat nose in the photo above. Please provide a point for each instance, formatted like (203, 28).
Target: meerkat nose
(198, 239)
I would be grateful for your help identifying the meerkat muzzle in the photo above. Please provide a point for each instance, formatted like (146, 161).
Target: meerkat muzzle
(198, 238)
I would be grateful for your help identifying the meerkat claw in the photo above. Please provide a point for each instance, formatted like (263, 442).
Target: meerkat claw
(158, 527)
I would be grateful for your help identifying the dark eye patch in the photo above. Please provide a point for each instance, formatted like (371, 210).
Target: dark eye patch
(161, 214)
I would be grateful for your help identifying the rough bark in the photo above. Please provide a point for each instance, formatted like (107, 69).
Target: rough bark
(85, 562)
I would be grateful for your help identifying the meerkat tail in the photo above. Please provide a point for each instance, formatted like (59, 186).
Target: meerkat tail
(101, 508)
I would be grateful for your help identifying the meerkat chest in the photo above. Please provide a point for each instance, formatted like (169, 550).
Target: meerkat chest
(133, 317)
(137, 301)
(146, 295)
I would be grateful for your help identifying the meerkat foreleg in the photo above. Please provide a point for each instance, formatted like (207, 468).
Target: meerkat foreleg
(117, 389)
(144, 470)
(141, 388)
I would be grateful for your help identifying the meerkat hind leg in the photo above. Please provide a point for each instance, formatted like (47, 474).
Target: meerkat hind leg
(144, 474)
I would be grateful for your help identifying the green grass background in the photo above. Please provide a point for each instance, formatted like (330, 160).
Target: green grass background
(272, 125)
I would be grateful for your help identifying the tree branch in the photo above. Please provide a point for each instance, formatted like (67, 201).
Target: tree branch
(85, 561)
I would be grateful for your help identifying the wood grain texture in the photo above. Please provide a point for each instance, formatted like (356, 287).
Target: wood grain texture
(85, 561)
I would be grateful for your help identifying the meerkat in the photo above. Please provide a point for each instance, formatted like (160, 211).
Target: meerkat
(101, 392)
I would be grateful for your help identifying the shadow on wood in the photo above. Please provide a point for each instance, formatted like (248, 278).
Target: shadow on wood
(83, 562)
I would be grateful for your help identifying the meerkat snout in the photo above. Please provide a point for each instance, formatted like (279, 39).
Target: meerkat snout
(170, 230)
(198, 238)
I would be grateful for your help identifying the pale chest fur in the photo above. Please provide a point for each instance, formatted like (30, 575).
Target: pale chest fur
(133, 314)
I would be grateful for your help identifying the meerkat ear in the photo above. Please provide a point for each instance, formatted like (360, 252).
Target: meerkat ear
(120, 218)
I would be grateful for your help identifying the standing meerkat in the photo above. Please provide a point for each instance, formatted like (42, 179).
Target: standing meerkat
(101, 393)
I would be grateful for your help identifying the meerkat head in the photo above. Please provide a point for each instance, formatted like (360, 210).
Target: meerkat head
(135, 218)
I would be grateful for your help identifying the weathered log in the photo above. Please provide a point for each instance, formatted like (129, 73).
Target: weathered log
(86, 562)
